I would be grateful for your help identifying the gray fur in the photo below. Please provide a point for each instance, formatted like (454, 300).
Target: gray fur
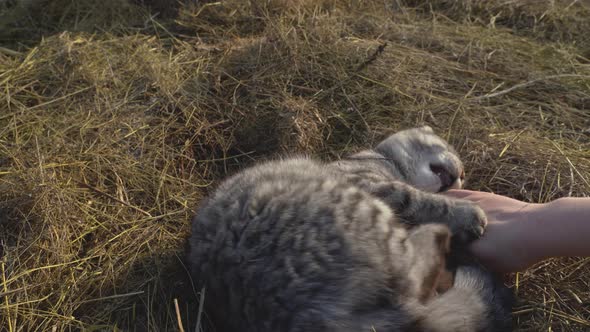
(299, 245)
(400, 166)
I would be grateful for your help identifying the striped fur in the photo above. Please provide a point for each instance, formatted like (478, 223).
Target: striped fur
(299, 245)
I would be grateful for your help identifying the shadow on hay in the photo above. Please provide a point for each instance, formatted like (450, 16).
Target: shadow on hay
(153, 297)
(24, 22)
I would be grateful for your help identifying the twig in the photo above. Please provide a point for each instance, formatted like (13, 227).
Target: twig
(353, 106)
(372, 57)
(525, 84)
(6, 299)
(111, 297)
(178, 318)
(9, 51)
(12, 291)
(570, 162)
(571, 4)
(98, 191)
(322, 93)
(200, 312)
(59, 99)
(40, 268)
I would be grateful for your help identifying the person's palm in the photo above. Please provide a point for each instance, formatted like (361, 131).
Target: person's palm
(503, 247)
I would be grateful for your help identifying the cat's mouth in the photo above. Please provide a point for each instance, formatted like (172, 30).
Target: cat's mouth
(448, 180)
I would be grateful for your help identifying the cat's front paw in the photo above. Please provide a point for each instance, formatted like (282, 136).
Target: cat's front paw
(468, 221)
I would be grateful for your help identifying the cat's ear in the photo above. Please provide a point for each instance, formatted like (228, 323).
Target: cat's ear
(427, 129)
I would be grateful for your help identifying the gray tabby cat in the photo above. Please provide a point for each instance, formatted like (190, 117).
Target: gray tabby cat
(300, 245)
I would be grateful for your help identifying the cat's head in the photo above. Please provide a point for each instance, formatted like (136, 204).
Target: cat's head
(425, 160)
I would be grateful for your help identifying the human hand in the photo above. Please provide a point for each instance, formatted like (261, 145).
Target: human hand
(505, 245)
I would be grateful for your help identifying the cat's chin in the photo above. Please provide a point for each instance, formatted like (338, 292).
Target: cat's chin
(458, 184)
(434, 185)
(431, 185)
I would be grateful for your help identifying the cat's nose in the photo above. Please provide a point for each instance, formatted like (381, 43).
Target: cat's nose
(447, 180)
(459, 182)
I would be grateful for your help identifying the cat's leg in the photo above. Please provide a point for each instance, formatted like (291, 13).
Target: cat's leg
(477, 302)
(414, 207)
(426, 248)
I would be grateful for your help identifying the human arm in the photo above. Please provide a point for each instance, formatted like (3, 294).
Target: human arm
(520, 234)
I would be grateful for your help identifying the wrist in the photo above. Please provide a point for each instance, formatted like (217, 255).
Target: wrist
(538, 232)
(528, 234)
(553, 230)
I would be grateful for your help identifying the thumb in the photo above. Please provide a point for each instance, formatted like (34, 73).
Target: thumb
(459, 193)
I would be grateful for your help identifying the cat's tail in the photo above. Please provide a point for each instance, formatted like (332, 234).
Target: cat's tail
(478, 301)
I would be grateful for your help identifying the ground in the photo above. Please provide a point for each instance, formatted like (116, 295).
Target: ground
(118, 116)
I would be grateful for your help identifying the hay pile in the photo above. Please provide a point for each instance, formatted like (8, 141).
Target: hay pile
(116, 122)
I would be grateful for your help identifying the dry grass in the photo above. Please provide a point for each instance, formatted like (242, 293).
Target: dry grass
(112, 130)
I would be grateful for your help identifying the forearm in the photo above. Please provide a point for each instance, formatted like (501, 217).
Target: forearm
(561, 228)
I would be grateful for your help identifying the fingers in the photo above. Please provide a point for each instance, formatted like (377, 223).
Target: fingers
(474, 196)
(459, 193)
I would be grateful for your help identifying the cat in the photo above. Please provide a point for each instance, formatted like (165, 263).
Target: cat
(353, 245)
